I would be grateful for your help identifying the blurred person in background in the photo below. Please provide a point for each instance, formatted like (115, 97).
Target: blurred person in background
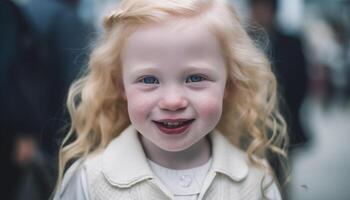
(326, 34)
(338, 63)
(43, 43)
(328, 54)
(289, 66)
(64, 38)
(9, 26)
(23, 103)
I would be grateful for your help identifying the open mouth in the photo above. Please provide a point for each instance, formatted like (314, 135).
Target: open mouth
(173, 123)
(173, 126)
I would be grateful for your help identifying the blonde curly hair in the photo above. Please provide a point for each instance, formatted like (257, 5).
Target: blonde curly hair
(250, 118)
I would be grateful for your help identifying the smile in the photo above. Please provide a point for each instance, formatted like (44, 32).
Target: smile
(173, 126)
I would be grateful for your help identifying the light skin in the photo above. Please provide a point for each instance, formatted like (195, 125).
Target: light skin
(171, 71)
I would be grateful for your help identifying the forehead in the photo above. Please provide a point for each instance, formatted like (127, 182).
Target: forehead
(181, 38)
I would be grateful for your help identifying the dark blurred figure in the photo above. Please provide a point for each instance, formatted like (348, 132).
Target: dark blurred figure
(339, 67)
(63, 37)
(289, 65)
(22, 100)
(39, 58)
(9, 26)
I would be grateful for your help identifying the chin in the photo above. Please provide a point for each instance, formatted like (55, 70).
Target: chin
(174, 148)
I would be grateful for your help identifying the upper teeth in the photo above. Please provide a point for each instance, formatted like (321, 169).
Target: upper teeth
(172, 123)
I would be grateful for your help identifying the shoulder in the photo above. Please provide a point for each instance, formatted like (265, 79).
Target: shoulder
(78, 177)
(93, 163)
(251, 180)
(261, 180)
(74, 184)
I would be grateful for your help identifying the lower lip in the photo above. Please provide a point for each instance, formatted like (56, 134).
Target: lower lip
(173, 131)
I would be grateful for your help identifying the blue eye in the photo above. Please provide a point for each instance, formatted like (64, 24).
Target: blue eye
(195, 78)
(149, 80)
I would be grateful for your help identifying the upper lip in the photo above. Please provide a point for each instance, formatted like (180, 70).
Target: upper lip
(173, 120)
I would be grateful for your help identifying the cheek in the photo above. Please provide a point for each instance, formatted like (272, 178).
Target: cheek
(211, 102)
(208, 106)
(135, 108)
(211, 108)
(138, 108)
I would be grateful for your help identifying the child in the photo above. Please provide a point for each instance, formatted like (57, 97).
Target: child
(177, 104)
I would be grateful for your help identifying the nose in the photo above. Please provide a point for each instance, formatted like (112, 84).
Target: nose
(173, 101)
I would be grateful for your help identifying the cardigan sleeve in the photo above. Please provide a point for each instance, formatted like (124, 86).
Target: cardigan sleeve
(74, 184)
(273, 193)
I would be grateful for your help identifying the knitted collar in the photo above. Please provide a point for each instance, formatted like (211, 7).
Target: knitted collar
(124, 162)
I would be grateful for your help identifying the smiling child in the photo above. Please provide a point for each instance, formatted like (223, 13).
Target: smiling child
(177, 104)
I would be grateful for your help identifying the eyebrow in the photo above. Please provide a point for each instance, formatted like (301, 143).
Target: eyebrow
(207, 67)
(200, 67)
(188, 69)
(144, 68)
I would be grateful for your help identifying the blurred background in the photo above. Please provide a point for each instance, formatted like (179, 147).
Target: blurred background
(44, 45)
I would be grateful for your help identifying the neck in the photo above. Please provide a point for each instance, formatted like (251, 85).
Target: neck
(196, 155)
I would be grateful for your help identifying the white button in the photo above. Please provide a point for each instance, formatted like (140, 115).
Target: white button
(185, 181)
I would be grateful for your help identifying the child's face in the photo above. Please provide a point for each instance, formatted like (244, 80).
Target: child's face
(174, 77)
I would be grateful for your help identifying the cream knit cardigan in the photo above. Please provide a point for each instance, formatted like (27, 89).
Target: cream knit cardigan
(121, 171)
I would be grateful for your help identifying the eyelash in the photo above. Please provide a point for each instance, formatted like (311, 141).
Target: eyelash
(154, 80)
(144, 78)
(201, 77)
